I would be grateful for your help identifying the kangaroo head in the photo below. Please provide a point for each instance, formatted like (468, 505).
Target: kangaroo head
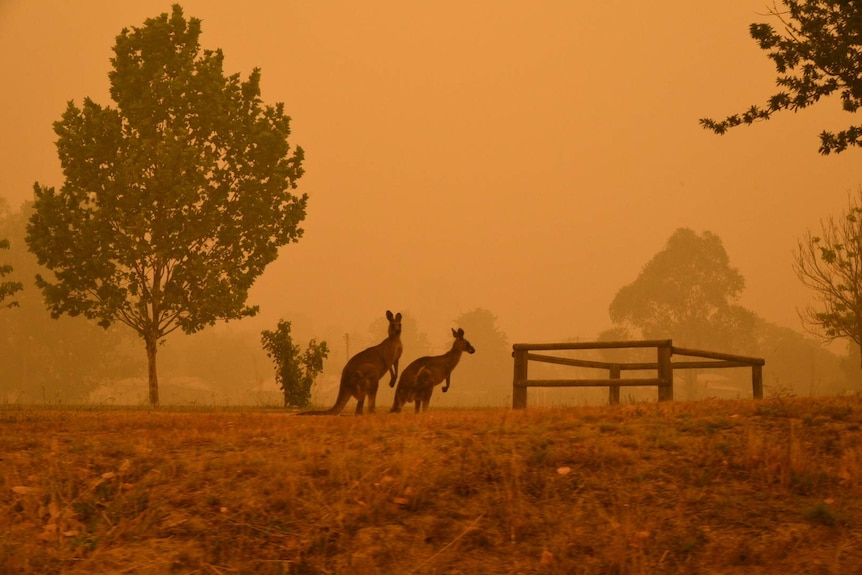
(394, 323)
(462, 344)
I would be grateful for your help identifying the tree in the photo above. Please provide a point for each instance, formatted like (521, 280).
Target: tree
(818, 52)
(295, 371)
(487, 374)
(44, 359)
(175, 201)
(831, 265)
(686, 292)
(415, 342)
(7, 288)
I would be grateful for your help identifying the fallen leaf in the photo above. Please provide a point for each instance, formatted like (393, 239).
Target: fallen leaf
(547, 558)
(24, 490)
(400, 500)
(564, 470)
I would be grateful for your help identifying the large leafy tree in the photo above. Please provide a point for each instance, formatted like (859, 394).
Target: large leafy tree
(175, 200)
(830, 264)
(688, 292)
(817, 52)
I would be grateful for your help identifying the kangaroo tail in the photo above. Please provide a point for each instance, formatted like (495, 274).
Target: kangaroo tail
(340, 402)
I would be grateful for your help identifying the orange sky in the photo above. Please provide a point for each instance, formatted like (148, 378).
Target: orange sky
(524, 157)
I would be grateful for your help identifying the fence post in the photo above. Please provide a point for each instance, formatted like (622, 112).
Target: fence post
(614, 390)
(757, 381)
(519, 392)
(665, 371)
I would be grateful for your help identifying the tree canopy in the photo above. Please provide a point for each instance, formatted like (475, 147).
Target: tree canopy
(175, 200)
(817, 52)
(687, 291)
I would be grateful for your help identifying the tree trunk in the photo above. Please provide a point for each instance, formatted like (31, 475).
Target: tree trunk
(152, 345)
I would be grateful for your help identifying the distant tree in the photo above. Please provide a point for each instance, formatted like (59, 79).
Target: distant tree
(487, 374)
(797, 364)
(175, 201)
(7, 288)
(227, 361)
(415, 342)
(295, 371)
(688, 292)
(850, 363)
(830, 264)
(817, 52)
(44, 359)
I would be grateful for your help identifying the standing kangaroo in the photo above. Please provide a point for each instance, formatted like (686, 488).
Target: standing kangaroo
(363, 371)
(419, 378)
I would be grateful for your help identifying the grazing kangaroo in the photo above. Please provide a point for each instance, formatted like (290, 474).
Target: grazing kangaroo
(419, 378)
(363, 371)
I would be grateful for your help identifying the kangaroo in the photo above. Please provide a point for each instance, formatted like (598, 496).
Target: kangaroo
(363, 371)
(419, 378)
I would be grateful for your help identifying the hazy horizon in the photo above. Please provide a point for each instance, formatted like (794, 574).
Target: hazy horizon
(527, 161)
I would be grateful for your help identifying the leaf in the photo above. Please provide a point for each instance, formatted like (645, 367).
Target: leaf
(24, 490)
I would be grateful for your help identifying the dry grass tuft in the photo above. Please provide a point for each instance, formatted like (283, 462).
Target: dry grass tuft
(708, 487)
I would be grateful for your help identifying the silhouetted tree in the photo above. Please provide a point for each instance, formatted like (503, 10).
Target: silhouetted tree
(295, 371)
(175, 201)
(686, 292)
(830, 264)
(817, 52)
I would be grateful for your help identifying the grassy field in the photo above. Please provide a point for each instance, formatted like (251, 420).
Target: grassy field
(772, 486)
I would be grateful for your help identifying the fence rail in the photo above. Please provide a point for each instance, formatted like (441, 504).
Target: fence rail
(664, 367)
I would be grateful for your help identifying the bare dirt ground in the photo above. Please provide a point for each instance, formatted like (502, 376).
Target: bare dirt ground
(771, 486)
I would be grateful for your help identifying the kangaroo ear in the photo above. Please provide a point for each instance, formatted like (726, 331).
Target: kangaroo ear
(460, 332)
(388, 315)
(398, 316)
(454, 333)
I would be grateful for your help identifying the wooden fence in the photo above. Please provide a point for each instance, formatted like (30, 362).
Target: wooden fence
(664, 367)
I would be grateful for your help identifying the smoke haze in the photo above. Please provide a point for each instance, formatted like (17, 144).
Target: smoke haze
(526, 158)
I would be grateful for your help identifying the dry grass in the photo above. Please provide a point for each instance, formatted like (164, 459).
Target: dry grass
(710, 487)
